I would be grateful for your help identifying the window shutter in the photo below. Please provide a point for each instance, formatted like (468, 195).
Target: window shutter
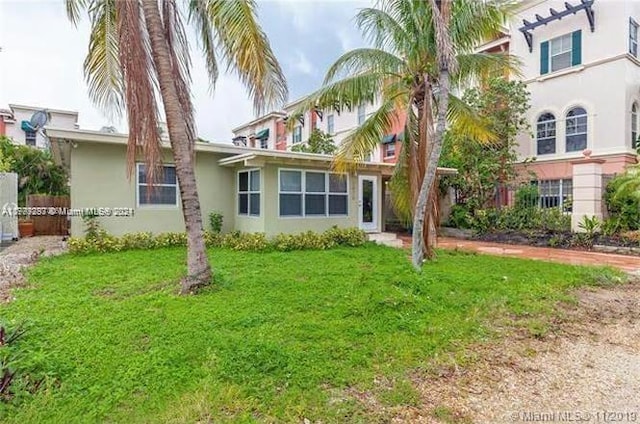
(544, 58)
(576, 54)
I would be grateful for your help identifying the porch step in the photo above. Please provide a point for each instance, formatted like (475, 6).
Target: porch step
(387, 239)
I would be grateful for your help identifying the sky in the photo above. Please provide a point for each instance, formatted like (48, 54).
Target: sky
(41, 59)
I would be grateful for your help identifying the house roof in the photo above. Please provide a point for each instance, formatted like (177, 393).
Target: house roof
(62, 140)
(259, 119)
(59, 111)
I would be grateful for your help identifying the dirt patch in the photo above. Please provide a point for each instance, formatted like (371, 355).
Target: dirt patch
(21, 254)
(586, 368)
(589, 364)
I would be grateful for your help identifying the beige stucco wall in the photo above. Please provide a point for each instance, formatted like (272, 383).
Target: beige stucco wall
(605, 84)
(271, 223)
(99, 179)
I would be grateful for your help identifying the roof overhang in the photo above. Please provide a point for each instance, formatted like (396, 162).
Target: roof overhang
(64, 140)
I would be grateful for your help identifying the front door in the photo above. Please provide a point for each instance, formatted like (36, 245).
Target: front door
(368, 203)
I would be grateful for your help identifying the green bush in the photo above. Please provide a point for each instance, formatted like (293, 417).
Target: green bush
(623, 206)
(101, 241)
(527, 197)
(215, 222)
(520, 219)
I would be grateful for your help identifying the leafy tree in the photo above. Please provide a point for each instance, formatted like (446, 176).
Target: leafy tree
(36, 169)
(482, 167)
(139, 54)
(420, 50)
(319, 142)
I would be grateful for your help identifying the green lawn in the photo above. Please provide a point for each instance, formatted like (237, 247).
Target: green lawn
(281, 337)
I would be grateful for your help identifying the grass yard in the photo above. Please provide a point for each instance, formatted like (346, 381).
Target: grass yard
(283, 336)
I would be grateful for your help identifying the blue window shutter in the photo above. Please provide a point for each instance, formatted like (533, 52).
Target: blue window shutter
(576, 54)
(544, 58)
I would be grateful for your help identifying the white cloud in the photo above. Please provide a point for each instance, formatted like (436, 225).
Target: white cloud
(302, 64)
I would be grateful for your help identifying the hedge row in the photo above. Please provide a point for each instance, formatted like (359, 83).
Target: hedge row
(101, 241)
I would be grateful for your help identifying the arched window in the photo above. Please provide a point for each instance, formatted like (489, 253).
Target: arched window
(576, 129)
(634, 125)
(546, 134)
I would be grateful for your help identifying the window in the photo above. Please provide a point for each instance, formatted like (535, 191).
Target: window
(30, 138)
(264, 143)
(249, 192)
(361, 114)
(546, 134)
(634, 125)
(330, 125)
(633, 37)
(576, 129)
(561, 48)
(312, 193)
(297, 134)
(555, 194)
(561, 52)
(163, 193)
(389, 150)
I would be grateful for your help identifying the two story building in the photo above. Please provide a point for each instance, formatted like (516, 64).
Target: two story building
(14, 123)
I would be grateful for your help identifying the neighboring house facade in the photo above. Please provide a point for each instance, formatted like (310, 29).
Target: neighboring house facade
(265, 132)
(580, 64)
(336, 123)
(256, 190)
(14, 123)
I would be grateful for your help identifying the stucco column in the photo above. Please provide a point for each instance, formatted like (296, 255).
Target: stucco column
(587, 190)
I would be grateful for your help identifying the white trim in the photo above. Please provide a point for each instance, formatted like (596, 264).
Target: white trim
(249, 192)
(157, 205)
(327, 193)
(372, 226)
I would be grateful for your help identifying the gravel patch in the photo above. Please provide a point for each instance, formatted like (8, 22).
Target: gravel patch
(21, 254)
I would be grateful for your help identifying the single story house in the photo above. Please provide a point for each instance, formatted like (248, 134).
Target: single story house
(256, 190)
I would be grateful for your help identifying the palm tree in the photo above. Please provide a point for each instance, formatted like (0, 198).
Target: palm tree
(138, 52)
(420, 51)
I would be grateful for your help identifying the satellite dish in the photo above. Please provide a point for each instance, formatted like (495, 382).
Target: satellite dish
(39, 119)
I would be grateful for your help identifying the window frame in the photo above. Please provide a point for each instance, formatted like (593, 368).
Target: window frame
(156, 205)
(331, 124)
(30, 138)
(303, 193)
(546, 198)
(249, 192)
(562, 52)
(553, 121)
(633, 41)
(386, 150)
(566, 128)
(296, 136)
(264, 143)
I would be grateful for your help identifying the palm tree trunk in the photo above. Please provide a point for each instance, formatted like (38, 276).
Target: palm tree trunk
(198, 269)
(424, 199)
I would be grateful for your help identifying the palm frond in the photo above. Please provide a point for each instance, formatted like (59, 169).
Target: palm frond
(382, 30)
(199, 17)
(138, 75)
(364, 60)
(73, 9)
(464, 120)
(102, 68)
(475, 21)
(474, 67)
(367, 137)
(247, 51)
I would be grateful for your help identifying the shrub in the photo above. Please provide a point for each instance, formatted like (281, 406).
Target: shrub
(460, 217)
(215, 222)
(102, 242)
(623, 206)
(527, 197)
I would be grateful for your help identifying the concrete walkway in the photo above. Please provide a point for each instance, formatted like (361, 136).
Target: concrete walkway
(630, 264)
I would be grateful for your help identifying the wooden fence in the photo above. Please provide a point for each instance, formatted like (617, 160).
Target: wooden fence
(53, 223)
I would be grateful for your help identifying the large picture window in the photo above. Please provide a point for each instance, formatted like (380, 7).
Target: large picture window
(249, 192)
(312, 193)
(164, 191)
